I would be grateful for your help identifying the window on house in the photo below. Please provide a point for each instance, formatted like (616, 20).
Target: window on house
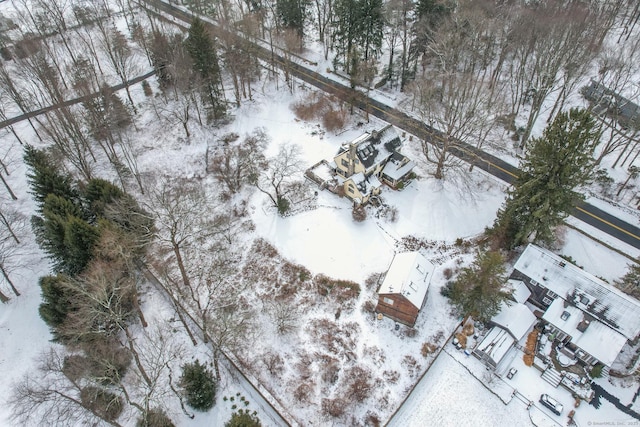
(351, 189)
(550, 294)
(387, 300)
(546, 301)
(344, 163)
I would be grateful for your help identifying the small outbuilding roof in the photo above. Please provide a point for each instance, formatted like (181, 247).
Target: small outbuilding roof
(398, 166)
(520, 292)
(495, 345)
(409, 275)
(515, 318)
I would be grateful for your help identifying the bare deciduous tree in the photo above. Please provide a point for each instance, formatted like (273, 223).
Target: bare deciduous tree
(50, 396)
(236, 163)
(278, 179)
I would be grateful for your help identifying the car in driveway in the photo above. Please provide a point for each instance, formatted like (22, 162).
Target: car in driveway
(551, 403)
(512, 372)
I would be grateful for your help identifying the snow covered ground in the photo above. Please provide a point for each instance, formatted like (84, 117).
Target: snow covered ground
(327, 241)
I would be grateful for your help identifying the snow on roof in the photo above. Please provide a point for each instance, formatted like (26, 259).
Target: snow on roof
(616, 309)
(598, 340)
(366, 184)
(409, 274)
(396, 168)
(520, 291)
(375, 147)
(515, 318)
(496, 344)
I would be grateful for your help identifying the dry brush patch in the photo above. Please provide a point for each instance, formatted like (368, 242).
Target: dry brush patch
(530, 348)
(318, 106)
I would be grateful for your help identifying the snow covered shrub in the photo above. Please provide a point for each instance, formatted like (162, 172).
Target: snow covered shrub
(199, 386)
(375, 353)
(330, 372)
(373, 280)
(334, 407)
(359, 384)
(428, 348)
(411, 365)
(303, 391)
(104, 403)
(156, 417)
(369, 306)
(274, 363)
(372, 419)
(359, 213)
(391, 377)
(243, 418)
(294, 272)
(410, 332)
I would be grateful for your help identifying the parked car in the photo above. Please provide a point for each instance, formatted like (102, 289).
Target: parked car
(551, 403)
(511, 373)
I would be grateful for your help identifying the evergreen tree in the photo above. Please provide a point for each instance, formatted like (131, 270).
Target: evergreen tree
(199, 386)
(371, 26)
(202, 50)
(630, 282)
(243, 418)
(44, 177)
(99, 193)
(79, 240)
(292, 14)
(359, 25)
(64, 235)
(555, 164)
(429, 15)
(478, 289)
(56, 303)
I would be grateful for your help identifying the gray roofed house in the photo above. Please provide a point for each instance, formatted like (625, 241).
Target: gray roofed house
(602, 313)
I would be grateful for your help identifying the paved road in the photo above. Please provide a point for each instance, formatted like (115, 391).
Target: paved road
(71, 102)
(589, 214)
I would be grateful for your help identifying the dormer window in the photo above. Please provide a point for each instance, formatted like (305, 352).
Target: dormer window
(565, 315)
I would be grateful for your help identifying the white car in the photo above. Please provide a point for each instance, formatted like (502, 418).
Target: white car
(551, 403)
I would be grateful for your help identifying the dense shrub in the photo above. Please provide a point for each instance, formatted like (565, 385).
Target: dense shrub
(155, 418)
(333, 120)
(199, 386)
(334, 407)
(243, 418)
(359, 213)
(596, 371)
(101, 402)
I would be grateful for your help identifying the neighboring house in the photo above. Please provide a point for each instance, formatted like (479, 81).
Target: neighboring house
(360, 165)
(404, 288)
(606, 101)
(591, 319)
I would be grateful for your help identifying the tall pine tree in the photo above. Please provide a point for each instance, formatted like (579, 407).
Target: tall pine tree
(479, 288)
(556, 163)
(292, 14)
(202, 50)
(45, 178)
(358, 30)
